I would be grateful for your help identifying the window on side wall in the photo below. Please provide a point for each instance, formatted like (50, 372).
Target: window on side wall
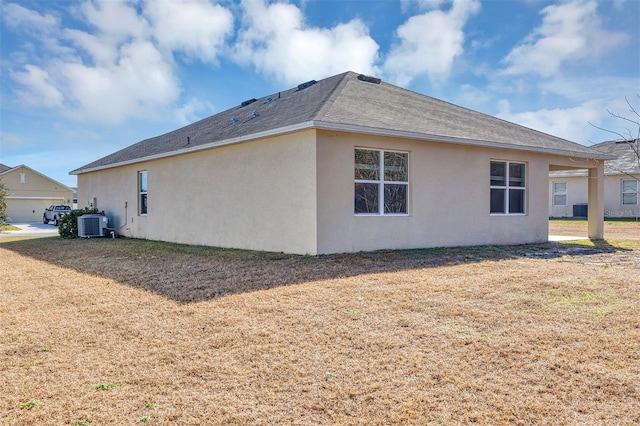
(629, 192)
(142, 189)
(559, 193)
(381, 182)
(507, 188)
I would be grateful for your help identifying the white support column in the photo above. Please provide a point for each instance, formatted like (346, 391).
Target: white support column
(596, 202)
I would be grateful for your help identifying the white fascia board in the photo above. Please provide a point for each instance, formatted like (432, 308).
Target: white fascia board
(225, 142)
(322, 125)
(447, 139)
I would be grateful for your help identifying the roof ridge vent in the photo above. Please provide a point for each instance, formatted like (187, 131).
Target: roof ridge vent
(369, 79)
(307, 84)
(628, 141)
(248, 102)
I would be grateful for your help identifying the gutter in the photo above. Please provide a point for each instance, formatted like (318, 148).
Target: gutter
(322, 125)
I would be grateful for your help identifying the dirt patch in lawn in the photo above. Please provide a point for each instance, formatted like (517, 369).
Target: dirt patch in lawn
(126, 331)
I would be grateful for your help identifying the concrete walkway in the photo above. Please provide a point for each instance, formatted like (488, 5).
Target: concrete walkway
(565, 238)
(32, 229)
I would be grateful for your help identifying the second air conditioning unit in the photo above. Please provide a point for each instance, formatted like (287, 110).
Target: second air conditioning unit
(92, 225)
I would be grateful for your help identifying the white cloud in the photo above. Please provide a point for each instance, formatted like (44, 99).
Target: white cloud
(568, 123)
(275, 39)
(39, 88)
(117, 60)
(570, 31)
(195, 28)
(429, 43)
(189, 111)
(140, 84)
(16, 16)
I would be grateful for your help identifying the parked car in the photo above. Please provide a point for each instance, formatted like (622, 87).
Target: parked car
(55, 212)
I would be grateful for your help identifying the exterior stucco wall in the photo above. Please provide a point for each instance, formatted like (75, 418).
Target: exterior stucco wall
(255, 195)
(613, 206)
(448, 201)
(577, 192)
(26, 201)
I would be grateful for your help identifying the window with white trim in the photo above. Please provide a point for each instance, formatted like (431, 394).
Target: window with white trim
(629, 192)
(23, 177)
(381, 182)
(559, 193)
(507, 188)
(142, 190)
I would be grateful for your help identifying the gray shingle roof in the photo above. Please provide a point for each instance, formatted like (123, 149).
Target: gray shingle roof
(627, 156)
(625, 159)
(345, 102)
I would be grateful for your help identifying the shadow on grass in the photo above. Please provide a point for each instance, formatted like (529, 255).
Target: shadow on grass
(188, 274)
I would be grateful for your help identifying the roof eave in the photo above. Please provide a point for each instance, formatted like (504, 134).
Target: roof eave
(268, 133)
(323, 125)
(453, 140)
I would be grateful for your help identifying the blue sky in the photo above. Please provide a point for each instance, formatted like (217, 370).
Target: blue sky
(82, 79)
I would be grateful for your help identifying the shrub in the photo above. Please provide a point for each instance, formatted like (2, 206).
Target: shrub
(68, 224)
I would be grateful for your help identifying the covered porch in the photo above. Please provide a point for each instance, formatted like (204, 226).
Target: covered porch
(594, 169)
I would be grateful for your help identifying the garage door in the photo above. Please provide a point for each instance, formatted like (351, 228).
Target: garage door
(28, 210)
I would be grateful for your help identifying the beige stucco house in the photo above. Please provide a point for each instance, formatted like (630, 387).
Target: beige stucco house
(31, 192)
(568, 190)
(344, 164)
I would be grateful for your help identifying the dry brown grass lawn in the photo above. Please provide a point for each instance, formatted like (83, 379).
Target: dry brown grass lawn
(544, 334)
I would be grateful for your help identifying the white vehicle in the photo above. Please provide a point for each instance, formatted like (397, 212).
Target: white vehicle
(54, 213)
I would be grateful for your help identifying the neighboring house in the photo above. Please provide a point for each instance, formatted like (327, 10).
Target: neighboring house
(31, 192)
(345, 164)
(568, 189)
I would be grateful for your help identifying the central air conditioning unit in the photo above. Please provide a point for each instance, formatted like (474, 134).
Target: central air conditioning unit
(92, 225)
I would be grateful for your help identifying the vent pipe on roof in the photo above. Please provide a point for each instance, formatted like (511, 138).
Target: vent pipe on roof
(249, 102)
(254, 113)
(307, 84)
(369, 79)
(234, 119)
(188, 140)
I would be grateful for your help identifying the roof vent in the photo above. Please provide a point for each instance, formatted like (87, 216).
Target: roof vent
(268, 99)
(234, 119)
(249, 102)
(254, 113)
(369, 79)
(307, 84)
(630, 141)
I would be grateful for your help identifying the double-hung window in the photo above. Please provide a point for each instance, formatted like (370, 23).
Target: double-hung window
(559, 193)
(142, 190)
(381, 182)
(629, 192)
(507, 188)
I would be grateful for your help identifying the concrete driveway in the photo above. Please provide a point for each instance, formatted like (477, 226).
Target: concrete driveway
(31, 229)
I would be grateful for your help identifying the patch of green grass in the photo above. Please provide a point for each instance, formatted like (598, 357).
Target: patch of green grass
(29, 404)
(80, 422)
(144, 419)
(6, 227)
(600, 304)
(105, 386)
(151, 405)
(44, 349)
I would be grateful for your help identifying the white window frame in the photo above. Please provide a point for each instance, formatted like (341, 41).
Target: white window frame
(23, 177)
(507, 188)
(558, 193)
(143, 192)
(381, 183)
(624, 191)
